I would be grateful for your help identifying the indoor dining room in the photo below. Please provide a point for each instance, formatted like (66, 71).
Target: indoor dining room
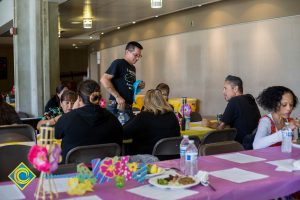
(149, 99)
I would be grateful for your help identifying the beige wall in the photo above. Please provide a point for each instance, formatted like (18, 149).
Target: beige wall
(262, 52)
(6, 84)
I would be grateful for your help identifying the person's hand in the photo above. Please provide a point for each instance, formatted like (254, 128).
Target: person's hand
(142, 85)
(121, 103)
(294, 124)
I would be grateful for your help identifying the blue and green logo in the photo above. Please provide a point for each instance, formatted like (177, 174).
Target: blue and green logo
(21, 176)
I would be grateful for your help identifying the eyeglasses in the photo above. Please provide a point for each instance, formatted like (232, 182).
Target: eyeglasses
(136, 55)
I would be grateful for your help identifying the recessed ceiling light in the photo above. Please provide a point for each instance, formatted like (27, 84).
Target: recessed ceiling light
(133, 22)
(73, 44)
(118, 27)
(75, 22)
(199, 5)
(76, 47)
(91, 37)
(156, 15)
(102, 33)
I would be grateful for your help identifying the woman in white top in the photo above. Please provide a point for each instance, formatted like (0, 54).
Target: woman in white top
(280, 102)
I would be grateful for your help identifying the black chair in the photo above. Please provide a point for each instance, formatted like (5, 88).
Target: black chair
(31, 121)
(17, 133)
(11, 156)
(220, 147)
(195, 117)
(227, 134)
(87, 153)
(168, 148)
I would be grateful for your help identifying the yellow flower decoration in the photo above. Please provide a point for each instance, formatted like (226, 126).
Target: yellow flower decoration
(132, 166)
(77, 188)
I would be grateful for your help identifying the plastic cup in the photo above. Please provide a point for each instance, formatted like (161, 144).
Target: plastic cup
(120, 180)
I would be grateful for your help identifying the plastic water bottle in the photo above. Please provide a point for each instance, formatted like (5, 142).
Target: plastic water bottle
(121, 118)
(191, 159)
(296, 133)
(286, 145)
(7, 99)
(183, 145)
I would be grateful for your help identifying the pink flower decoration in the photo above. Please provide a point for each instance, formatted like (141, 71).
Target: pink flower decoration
(38, 157)
(109, 169)
(124, 169)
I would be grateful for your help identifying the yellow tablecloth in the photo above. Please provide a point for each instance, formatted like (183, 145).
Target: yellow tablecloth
(197, 129)
(31, 143)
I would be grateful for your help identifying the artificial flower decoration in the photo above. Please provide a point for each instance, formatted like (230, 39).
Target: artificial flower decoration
(109, 168)
(38, 157)
(124, 169)
(102, 103)
(77, 188)
(133, 166)
(187, 109)
(54, 158)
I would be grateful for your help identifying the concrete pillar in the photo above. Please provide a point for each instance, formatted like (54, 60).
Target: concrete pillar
(35, 54)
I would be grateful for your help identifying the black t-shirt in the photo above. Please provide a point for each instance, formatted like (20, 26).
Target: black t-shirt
(243, 114)
(52, 103)
(146, 129)
(123, 79)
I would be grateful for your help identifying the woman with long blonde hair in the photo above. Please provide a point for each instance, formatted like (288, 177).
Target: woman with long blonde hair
(156, 121)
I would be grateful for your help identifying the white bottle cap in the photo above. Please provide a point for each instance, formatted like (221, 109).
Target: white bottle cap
(191, 141)
(185, 136)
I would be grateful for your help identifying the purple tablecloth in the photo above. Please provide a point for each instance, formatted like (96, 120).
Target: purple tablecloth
(278, 184)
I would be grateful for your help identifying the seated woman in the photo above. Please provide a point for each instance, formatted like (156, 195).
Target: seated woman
(88, 124)
(280, 102)
(67, 100)
(156, 121)
(8, 114)
(54, 102)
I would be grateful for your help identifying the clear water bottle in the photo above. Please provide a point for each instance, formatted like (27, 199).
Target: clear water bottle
(296, 133)
(286, 145)
(191, 159)
(121, 117)
(7, 99)
(183, 145)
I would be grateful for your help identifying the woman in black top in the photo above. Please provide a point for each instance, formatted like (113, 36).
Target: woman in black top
(155, 122)
(54, 102)
(88, 124)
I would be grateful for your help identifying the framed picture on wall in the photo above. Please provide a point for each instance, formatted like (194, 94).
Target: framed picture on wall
(3, 68)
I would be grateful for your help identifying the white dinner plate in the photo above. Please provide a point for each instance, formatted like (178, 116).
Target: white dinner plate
(156, 174)
(296, 145)
(153, 181)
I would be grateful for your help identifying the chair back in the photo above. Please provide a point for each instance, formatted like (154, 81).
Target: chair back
(11, 156)
(31, 121)
(17, 133)
(169, 148)
(195, 117)
(227, 134)
(220, 147)
(87, 153)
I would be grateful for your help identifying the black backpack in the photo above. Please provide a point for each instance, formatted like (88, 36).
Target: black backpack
(249, 139)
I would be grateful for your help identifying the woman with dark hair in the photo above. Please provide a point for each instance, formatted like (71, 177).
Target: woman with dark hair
(67, 100)
(280, 102)
(156, 121)
(8, 114)
(89, 123)
(54, 102)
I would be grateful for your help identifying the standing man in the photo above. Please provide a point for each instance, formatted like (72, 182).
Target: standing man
(241, 111)
(119, 78)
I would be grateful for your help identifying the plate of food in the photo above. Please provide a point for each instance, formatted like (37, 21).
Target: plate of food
(154, 170)
(174, 181)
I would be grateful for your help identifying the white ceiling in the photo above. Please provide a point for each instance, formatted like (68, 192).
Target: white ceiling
(107, 15)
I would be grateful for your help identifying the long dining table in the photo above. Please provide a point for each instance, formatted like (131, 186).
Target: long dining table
(269, 182)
